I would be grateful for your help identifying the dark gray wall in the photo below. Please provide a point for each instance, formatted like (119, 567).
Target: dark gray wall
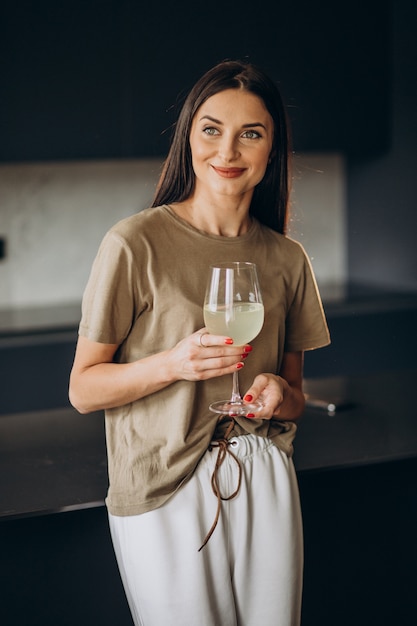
(382, 192)
(105, 78)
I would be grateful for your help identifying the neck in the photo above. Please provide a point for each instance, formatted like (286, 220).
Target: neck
(227, 219)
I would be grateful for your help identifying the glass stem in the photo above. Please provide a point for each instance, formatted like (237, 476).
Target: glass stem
(236, 397)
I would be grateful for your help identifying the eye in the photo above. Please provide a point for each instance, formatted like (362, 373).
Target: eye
(251, 134)
(210, 130)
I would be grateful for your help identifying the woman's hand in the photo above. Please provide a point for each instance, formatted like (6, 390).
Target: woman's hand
(98, 383)
(202, 356)
(282, 395)
(270, 390)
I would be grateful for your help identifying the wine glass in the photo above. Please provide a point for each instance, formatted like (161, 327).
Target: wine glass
(233, 307)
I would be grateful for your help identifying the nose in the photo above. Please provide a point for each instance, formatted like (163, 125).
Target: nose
(228, 149)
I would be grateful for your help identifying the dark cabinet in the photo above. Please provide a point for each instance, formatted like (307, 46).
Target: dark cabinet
(105, 78)
(61, 70)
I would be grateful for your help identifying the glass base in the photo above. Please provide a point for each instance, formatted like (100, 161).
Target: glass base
(237, 408)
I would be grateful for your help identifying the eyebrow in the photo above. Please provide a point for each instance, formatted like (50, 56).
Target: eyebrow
(213, 119)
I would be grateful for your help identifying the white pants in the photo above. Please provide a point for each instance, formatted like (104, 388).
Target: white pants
(250, 571)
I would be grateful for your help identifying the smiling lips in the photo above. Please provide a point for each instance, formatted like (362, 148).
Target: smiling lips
(229, 172)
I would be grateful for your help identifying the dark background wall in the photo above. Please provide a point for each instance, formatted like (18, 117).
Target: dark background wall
(102, 78)
(382, 191)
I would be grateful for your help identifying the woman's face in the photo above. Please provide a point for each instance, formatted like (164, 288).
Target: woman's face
(231, 141)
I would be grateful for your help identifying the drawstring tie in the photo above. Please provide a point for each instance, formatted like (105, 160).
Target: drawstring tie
(224, 448)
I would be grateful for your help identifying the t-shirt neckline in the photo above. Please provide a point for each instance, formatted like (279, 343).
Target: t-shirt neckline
(183, 223)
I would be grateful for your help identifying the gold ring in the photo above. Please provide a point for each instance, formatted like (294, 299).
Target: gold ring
(200, 337)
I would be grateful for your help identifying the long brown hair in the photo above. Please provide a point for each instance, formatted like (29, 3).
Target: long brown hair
(270, 198)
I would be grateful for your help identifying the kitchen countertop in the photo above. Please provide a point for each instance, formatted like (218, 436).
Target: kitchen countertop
(51, 461)
(377, 421)
(55, 460)
(40, 319)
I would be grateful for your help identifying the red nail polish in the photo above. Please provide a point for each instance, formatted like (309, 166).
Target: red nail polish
(239, 366)
(250, 415)
(228, 341)
(248, 348)
(248, 397)
(243, 356)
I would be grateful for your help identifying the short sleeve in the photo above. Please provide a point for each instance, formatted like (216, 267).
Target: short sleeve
(306, 326)
(109, 301)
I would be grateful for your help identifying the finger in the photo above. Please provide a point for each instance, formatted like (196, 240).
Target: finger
(200, 337)
(257, 387)
(205, 340)
(214, 372)
(221, 362)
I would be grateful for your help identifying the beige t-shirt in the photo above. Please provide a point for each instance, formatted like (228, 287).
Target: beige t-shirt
(146, 293)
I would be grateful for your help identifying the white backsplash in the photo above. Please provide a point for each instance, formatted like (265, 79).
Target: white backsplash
(319, 214)
(54, 215)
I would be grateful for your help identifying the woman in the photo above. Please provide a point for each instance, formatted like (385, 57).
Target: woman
(143, 355)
